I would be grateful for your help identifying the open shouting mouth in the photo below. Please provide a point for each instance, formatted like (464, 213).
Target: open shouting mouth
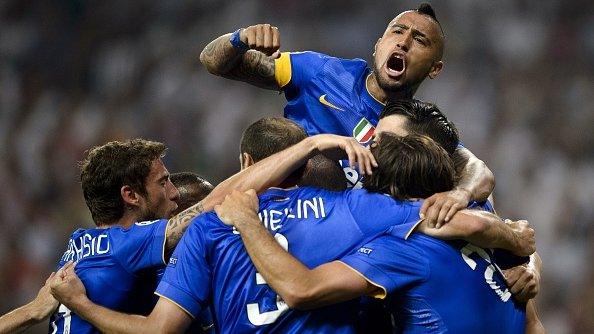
(396, 65)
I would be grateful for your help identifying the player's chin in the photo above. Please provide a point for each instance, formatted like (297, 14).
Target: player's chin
(172, 211)
(388, 83)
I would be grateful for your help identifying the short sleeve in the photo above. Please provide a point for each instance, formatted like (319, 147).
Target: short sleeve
(389, 263)
(372, 209)
(293, 70)
(140, 246)
(186, 281)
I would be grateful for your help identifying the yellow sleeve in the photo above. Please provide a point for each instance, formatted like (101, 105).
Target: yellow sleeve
(282, 69)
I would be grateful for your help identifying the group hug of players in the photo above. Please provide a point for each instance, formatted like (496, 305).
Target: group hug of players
(398, 236)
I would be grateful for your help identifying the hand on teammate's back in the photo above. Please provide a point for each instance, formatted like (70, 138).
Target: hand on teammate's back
(338, 147)
(238, 207)
(66, 286)
(523, 281)
(439, 208)
(262, 37)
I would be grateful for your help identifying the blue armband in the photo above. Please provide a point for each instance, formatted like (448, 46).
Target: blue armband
(236, 42)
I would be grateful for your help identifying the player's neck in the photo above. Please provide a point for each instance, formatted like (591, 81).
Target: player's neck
(383, 96)
(127, 220)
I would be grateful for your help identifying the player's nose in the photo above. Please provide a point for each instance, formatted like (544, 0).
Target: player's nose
(404, 42)
(174, 193)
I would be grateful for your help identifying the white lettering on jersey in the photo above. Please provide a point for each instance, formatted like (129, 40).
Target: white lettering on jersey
(89, 246)
(469, 249)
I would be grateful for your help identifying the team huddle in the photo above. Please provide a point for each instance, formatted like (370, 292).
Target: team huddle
(358, 211)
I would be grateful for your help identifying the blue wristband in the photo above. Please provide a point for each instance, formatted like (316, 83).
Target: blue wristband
(236, 42)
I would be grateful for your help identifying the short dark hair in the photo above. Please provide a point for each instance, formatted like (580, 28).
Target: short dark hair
(192, 189)
(426, 9)
(412, 166)
(321, 172)
(107, 168)
(425, 119)
(270, 135)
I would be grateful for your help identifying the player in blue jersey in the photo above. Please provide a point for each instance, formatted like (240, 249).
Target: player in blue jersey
(433, 285)
(326, 94)
(210, 264)
(127, 189)
(125, 184)
(192, 189)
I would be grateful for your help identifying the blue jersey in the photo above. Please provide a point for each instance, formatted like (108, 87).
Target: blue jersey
(329, 95)
(211, 266)
(434, 286)
(118, 267)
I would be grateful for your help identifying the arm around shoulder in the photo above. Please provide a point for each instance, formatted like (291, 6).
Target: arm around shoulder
(475, 176)
(486, 230)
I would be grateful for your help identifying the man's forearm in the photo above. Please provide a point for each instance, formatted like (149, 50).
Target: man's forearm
(496, 234)
(475, 177)
(266, 173)
(284, 273)
(219, 56)
(483, 229)
(108, 321)
(20, 319)
(254, 67)
(533, 323)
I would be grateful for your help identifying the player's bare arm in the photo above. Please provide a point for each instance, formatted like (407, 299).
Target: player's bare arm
(476, 178)
(486, 230)
(254, 65)
(271, 172)
(533, 323)
(476, 183)
(33, 313)
(166, 317)
(177, 225)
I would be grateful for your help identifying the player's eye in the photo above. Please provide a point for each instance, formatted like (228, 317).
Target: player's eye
(421, 40)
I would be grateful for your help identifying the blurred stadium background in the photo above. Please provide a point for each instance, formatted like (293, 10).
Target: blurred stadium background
(518, 82)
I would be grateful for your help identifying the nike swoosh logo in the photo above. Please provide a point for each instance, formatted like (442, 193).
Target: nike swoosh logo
(328, 104)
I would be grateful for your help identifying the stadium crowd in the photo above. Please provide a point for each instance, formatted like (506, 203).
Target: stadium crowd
(517, 82)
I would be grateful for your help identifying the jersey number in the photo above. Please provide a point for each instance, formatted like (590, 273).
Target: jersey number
(469, 249)
(64, 312)
(253, 310)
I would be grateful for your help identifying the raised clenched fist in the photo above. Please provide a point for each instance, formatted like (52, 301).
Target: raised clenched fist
(261, 37)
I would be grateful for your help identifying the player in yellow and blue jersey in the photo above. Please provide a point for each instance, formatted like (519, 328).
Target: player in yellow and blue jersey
(326, 94)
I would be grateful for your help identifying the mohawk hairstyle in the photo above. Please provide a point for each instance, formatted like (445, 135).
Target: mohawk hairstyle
(426, 9)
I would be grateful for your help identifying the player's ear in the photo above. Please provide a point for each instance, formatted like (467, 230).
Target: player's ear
(375, 46)
(246, 160)
(130, 196)
(435, 69)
